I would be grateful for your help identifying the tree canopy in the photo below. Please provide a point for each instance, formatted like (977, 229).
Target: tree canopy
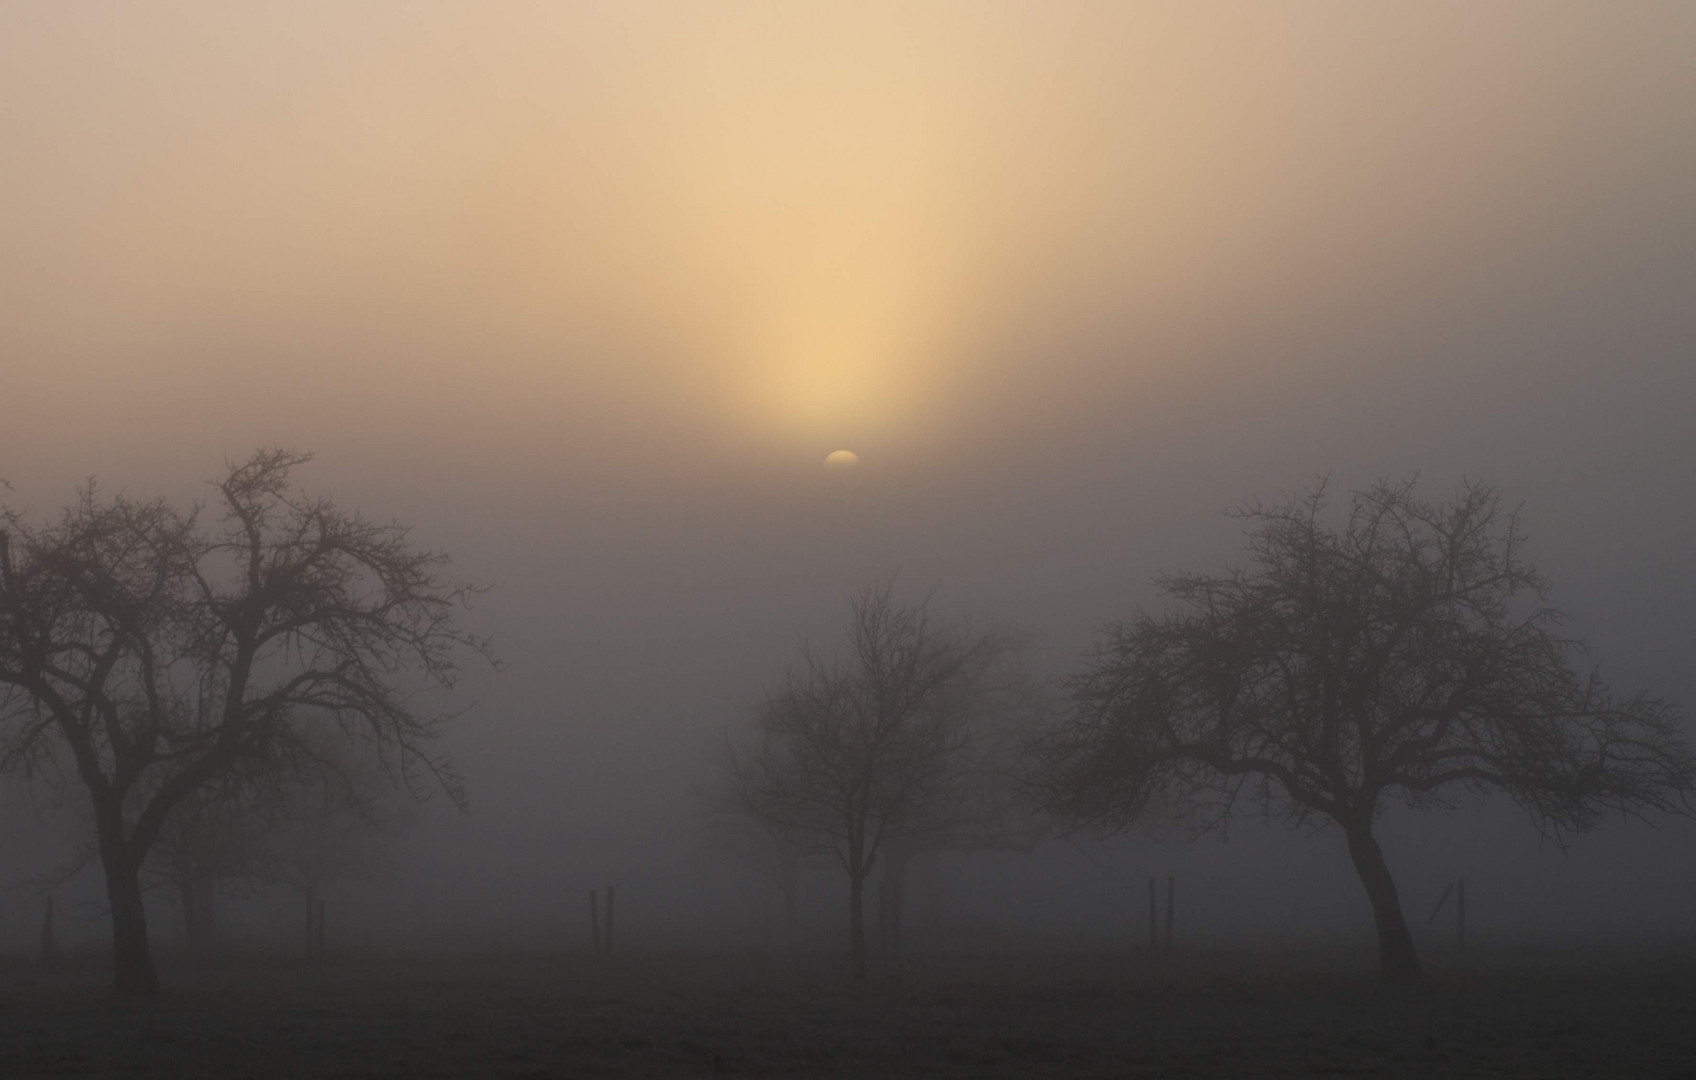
(851, 754)
(162, 652)
(1408, 651)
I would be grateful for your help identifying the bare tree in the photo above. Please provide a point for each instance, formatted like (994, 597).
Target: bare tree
(989, 807)
(334, 822)
(772, 850)
(1409, 651)
(214, 836)
(850, 753)
(325, 817)
(161, 653)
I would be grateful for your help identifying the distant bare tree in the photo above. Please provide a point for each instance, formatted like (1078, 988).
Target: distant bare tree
(215, 835)
(848, 754)
(990, 808)
(1411, 650)
(772, 850)
(334, 822)
(327, 817)
(161, 654)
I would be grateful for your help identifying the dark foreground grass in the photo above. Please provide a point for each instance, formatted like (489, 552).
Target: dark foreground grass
(798, 1016)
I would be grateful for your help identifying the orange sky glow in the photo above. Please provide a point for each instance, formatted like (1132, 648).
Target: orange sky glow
(660, 238)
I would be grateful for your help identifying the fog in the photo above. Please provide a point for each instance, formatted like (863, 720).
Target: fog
(585, 294)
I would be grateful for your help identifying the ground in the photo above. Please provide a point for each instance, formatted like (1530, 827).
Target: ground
(1220, 1014)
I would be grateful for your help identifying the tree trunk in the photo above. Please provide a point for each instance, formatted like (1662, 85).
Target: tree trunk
(895, 872)
(789, 880)
(857, 921)
(1397, 958)
(132, 959)
(208, 889)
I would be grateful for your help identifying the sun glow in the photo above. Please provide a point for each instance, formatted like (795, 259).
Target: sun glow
(715, 231)
(832, 379)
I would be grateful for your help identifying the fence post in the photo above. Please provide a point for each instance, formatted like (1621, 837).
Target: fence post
(595, 921)
(311, 924)
(1171, 902)
(1460, 915)
(609, 919)
(1153, 917)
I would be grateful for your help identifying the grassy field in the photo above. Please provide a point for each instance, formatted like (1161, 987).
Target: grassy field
(1498, 1015)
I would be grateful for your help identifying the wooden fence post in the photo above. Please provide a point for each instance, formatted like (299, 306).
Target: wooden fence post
(1153, 917)
(311, 924)
(595, 921)
(609, 918)
(1171, 902)
(1460, 915)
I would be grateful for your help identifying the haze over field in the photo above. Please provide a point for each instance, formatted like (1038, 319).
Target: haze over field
(587, 293)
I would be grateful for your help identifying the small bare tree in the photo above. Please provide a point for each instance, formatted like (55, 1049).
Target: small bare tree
(1409, 651)
(335, 821)
(161, 654)
(770, 849)
(325, 816)
(215, 836)
(989, 807)
(848, 753)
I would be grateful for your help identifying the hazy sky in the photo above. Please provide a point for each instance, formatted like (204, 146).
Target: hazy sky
(587, 291)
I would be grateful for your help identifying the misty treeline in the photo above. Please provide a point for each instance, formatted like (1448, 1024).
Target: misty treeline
(231, 689)
(1408, 651)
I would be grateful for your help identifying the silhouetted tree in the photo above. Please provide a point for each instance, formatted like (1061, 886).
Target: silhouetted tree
(989, 808)
(1409, 651)
(332, 823)
(162, 654)
(214, 835)
(319, 818)
(769, 848)
(849, 753)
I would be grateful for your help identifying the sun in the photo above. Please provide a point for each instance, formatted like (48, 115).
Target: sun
(841, 459)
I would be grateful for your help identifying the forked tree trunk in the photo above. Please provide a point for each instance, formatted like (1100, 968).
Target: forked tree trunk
(1397, 958)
